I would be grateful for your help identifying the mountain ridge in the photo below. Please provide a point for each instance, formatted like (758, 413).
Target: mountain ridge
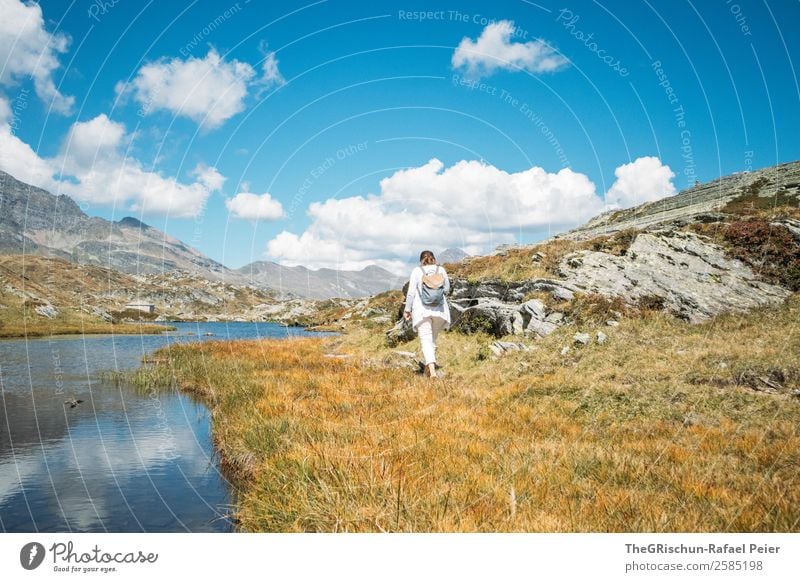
(35, 221)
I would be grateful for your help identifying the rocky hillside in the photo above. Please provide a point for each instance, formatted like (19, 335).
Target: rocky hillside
(320, 284)
(35, 222)
(769, 187)
(43, 288)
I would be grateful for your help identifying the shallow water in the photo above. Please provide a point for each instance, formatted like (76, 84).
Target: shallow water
(119, 461)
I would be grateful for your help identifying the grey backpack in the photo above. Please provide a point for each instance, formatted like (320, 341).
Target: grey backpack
(431, 290)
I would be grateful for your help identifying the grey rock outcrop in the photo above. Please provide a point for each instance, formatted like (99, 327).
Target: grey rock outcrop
(499, 308)
(699, 203)
(692, 276)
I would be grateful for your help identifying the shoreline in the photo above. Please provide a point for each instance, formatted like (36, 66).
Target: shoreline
(43, 331)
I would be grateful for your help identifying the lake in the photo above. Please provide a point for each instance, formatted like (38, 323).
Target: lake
(119, 461)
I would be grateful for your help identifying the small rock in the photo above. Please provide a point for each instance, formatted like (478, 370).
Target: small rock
(540, 328)
(502, 348)
(537, 257)
(555, 317)
(581, 338)
(562, 294)
(564, 350)
(402, 332)
(601, 337)
(517, 324)
(405, 354)
(612, 323)
(47, 311)
(535, 307)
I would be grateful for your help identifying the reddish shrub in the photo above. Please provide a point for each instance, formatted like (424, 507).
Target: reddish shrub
(771, 250)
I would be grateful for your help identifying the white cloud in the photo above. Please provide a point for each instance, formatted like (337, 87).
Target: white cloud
(470, 205)
(271, 76)
(644, 180)
(254, 206)
(28, 50)
(93, 141)
(208, 91)
(209, 176)
(494, 49)
(94, 169)
(18, 158)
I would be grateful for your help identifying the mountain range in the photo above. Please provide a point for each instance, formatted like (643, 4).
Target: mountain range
(36, 222)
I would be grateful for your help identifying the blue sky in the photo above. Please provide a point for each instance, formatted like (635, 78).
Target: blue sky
(378, 129)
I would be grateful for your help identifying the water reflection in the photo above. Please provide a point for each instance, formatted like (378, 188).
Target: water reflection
(119, 461)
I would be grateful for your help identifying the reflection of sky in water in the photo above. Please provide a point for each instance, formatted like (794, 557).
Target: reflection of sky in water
(120, 461)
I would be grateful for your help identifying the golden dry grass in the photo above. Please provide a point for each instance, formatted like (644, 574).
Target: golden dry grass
(653, 431)
(24, 322)
(540, 260)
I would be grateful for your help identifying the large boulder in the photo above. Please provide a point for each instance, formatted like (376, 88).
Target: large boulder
(688, 274)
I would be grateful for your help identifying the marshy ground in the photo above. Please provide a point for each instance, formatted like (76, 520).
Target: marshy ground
(666, 427)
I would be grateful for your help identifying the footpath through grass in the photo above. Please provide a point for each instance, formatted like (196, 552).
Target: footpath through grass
(666, 427)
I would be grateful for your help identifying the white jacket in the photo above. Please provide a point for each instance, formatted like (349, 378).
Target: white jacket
(414, 303)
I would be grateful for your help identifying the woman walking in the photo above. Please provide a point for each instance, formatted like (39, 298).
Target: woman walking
(426, 306)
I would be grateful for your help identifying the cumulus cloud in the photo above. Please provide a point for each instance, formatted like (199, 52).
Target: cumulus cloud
(18, 158)
(254, 206)
(209, 176)
(28, 50)
(208, 90)
(471, 205)
(270, 74)
(644, 180)
(93, 167)
(494, 49)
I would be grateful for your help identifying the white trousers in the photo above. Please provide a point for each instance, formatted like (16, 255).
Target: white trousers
(428, 330)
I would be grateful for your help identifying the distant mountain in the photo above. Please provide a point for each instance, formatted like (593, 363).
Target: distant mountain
(451, 256)
(320, 284)
(33, 221)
